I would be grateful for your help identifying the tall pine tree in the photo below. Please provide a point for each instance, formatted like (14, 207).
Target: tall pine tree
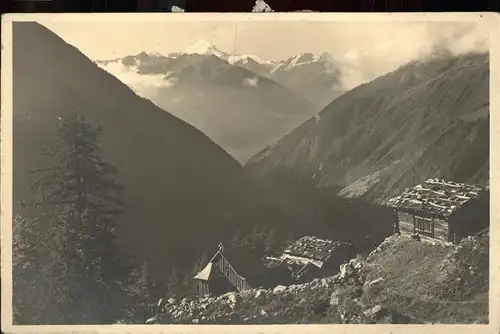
(172, 285)
(254, 238)
(142, 292)
(28, 256)
(189, 284)
(82, 199)
(270, 243)
(236, 240)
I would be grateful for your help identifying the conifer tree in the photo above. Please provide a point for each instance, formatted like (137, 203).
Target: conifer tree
(254, 238)
(189, 284)
(81, 200)
(203, 261)
(142, 293)
(270, 242)
(289, 240)
(172, 284)
(236, 240)
(28, 254)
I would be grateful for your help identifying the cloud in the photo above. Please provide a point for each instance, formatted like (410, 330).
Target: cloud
(251, 82)
(463, 38)
(145, 85)
(395, 46)
(168, 81)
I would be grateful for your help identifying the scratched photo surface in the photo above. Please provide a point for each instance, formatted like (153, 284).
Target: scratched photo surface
(250, 172)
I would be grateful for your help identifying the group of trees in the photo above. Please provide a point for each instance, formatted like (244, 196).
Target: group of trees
(262, 242)
(67, 268)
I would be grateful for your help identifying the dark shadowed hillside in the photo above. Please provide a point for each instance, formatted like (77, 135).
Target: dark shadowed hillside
(179, 185)
(428, 118)
(183, 193)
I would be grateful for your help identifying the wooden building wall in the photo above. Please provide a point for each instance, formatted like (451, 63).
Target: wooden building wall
(203, 288)
(236, 280)
(223, 279)
(405, 222)
(471, 218)
(408, 224)
(467, 220)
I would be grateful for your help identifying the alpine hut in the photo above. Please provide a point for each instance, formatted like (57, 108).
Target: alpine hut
(311, 257)
(443, 210)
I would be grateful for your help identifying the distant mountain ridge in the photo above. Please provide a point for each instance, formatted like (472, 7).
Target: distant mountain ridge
(321, 84)
(428, 118)
(205, 48)
(222, 95)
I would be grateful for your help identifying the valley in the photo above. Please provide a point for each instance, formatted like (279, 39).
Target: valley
(223, 152)
(241, 102)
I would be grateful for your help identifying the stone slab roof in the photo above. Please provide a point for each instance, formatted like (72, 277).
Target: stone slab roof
(313, 248)
(437, 197)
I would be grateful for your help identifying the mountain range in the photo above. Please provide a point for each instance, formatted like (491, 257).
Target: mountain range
(184, 192)
(242, 102)
(428, 118)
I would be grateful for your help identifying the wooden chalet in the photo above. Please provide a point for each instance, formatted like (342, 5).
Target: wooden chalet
(443, 210)
(219, 277)
(311, 257)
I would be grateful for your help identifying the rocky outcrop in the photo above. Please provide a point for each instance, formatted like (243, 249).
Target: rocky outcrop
(274, 305)
(388, 286)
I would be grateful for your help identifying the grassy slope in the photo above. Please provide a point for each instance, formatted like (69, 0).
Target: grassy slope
(421, 280)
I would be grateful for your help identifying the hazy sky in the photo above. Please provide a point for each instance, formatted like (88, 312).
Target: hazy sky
(374, 47)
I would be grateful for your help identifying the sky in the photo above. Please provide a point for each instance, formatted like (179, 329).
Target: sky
(374, 48)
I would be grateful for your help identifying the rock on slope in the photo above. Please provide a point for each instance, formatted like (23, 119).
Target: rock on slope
(180, 187)
(431, 283)
(426, 119)
(401, 281)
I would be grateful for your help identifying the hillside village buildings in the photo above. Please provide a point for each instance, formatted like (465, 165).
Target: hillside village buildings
(219, 277)
(443, 210)
(235, 270)
(305, 259)
(436, 209)
(311, 257)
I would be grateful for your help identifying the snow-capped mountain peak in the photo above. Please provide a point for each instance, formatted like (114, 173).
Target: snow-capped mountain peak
(326, 57)
(301, 59)
(244, 59)
(202, 47)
